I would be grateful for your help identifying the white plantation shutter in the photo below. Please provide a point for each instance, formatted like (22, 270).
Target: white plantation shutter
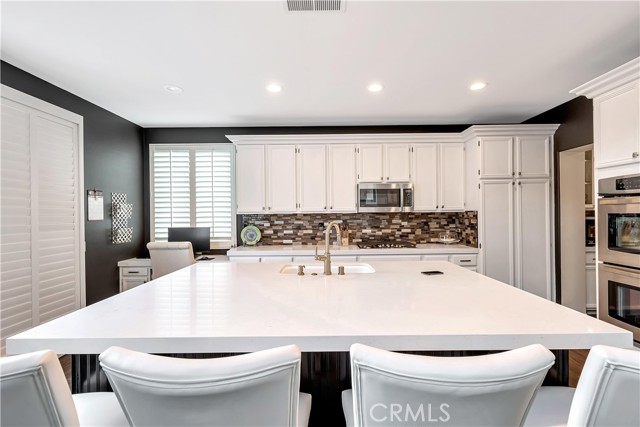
(58, 273)
(171, 191)
(41, 229)
(192, 187)
(16, 292)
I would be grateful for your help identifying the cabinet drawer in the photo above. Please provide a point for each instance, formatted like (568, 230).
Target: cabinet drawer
(434, 258)
(135, 271)
(590, 258)
(465, 260)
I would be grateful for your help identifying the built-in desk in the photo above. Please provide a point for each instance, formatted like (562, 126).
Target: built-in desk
(136, 271)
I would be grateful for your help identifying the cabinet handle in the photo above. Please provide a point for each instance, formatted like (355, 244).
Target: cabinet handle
(465, 260)
(134, 272)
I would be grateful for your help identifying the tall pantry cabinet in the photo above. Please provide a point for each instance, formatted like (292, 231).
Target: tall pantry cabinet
(509, 182)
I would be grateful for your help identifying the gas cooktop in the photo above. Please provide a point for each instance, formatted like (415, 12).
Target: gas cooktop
(386, 245)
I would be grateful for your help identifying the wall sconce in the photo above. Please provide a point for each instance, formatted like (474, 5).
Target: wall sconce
(121, 213)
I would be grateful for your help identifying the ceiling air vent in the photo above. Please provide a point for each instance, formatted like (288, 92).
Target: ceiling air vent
(315, 5)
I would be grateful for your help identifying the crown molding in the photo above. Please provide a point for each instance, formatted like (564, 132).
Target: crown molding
(613, 79)
(368, 138)
(508, 130)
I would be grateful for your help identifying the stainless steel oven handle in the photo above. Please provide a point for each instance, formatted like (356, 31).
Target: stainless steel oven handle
(618, 269)
(622, 200)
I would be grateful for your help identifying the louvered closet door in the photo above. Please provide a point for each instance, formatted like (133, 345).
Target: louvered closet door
(16, 296)
(41, 269)
(56, 243)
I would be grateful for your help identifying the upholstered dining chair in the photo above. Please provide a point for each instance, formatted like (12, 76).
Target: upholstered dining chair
(167, 257)
(408, 390)
(255, 389)
(34, 392)
(608, 393)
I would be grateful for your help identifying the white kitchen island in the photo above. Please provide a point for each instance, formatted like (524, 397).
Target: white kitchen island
(228, 307)
(210, 309)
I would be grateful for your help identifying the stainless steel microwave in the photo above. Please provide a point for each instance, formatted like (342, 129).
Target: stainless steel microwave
(380, 197)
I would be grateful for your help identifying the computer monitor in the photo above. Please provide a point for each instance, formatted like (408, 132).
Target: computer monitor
(198, 236)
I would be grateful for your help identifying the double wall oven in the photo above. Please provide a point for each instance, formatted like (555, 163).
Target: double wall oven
(619, 250)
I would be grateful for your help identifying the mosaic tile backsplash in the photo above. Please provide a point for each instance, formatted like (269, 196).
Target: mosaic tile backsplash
(307, 229)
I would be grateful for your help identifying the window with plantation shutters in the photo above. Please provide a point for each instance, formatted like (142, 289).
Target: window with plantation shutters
(192, 187)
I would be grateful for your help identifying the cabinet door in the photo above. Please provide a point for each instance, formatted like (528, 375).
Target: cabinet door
(370, 166)
(616, 125)
(281, 178)
(425, 177)
(496, 228)
(131, 282)
(250, 179)
(452, 177)
(398, 164)
(312, 178)
(533, 236)
(496, 157)
(533, 157)
(342, 178)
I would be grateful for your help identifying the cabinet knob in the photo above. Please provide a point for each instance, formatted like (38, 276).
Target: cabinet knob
(513, 183)
(324, 207)
(382, 178)
(519, 173)
(263, 208)
(330, 207)
(387, 178)
(635, 155)
(269, 208)
(513, 174)
(437, 206)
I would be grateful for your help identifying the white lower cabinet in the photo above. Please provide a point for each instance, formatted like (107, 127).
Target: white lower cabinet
(275, 259)
(244, 259)
(374, 258)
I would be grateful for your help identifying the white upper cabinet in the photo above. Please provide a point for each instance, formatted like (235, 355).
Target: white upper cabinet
(281, 178)
(452, 175)
(384, 163)
(397, 163)
(616, 116)
(370, 163)
(250, 179)
(425, 177)
(342, 177)
(312, 178)
(522, 156)
(533, 157)
(617, 126)
(496, 157)
(438, 177)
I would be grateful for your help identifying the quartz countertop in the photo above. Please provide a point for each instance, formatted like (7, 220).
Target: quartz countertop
(236, 307)
(304, 250)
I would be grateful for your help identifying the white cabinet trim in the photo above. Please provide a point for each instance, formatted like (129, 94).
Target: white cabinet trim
(624, 74)
(367, 138)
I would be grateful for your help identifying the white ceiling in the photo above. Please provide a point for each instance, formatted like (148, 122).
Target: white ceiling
(120, 55)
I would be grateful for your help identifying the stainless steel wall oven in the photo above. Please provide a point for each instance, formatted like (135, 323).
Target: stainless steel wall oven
(619, 250)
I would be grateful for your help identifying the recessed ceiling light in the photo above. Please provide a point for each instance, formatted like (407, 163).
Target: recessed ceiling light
(274, 87)
(173, 89)
(477, 85)
(375, 87)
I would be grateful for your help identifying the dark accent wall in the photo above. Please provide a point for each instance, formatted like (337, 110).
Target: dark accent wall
(576, 130)
(113, 162)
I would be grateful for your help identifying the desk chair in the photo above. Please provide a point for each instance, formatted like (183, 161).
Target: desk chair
(35, 392)
(256, 389)
(401, 389)
(167, 257)
(608, 393)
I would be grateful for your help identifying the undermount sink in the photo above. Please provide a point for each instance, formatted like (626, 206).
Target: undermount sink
(357, 268)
